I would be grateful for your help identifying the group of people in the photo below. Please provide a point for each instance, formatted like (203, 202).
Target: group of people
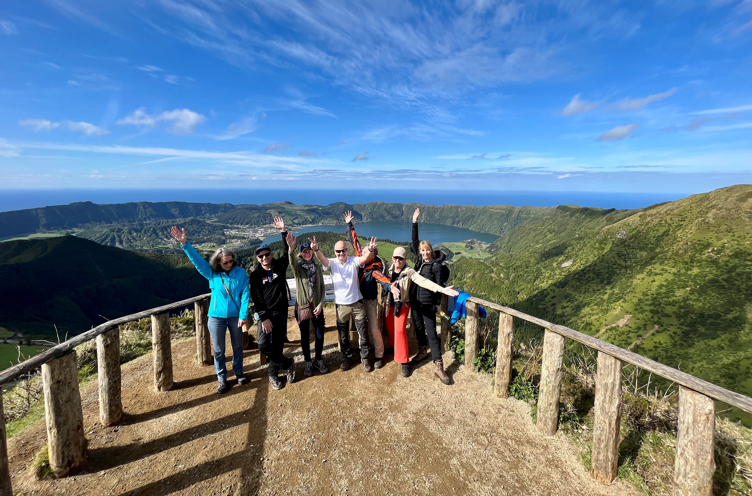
(357, 281)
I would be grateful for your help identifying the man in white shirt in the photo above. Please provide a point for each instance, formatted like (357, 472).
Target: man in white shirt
(347, 297)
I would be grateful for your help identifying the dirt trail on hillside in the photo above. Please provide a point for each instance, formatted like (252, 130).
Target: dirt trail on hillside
(339, 433)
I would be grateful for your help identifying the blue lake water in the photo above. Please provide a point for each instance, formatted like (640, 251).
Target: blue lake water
(21, 199)
(398, 231)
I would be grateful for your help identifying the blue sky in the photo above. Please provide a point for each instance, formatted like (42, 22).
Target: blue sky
(564, 95)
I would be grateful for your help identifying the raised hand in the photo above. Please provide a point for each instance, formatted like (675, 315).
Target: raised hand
(314, 244)
(449, 291)
(291, 242)
(179, 235)
(372, 245)
(348, 216)
(279, 223)
(416, 214)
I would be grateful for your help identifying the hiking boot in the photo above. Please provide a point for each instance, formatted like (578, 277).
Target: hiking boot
(440, 373)
(223, 387)
(367, 365)
(406, 371)
(345, 365)
(422, 355)
(242, 380)
(276, 382)
(291, 374)
(378, 363)
(308, 372)
(319, 364)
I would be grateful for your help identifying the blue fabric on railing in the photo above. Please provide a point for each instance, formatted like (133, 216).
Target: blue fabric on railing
(460, 308)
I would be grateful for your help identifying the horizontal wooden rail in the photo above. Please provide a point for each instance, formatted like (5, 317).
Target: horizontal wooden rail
(35, 362)
(682, 378)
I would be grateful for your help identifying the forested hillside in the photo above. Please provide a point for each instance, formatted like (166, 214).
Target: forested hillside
(673, 281)
(75, 283)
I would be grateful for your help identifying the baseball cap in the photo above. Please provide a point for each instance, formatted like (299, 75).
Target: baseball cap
(399, 252)
(262, 247)
(304, 247)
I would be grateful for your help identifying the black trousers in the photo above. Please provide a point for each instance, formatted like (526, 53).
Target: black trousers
(424, 317)
(318, 324)
(272, 344)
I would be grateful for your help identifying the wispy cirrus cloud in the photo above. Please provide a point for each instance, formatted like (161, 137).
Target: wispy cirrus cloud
(277, 147)
(577, 106)
(362, 156)
(244, 126)
(180, 121)
(726, 110)
(618, 133)
(632, 104)
(45, 125)
(306, 153)
(8, 28)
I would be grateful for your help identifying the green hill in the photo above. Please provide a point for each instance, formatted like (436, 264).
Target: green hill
(681, 270)
(75, 283)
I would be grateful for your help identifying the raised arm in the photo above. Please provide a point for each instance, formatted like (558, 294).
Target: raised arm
(416, 238)
(352, 235)
(197, 260)
(290, 255)
(430, 285)
(315, 247)
(279, 224)
(368, 254)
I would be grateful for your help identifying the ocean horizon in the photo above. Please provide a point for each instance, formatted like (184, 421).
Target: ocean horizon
(24, 199)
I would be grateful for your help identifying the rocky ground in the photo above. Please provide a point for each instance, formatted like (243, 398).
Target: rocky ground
(339, 433)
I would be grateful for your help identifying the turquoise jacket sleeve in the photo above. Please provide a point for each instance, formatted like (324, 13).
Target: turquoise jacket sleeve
(245, 296)
(198, 261)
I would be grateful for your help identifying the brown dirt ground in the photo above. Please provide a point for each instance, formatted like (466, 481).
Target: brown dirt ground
(339, 433)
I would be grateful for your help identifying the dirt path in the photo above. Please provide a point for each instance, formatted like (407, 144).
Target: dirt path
(340, 433)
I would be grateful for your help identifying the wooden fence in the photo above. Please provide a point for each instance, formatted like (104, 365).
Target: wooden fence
(694, 466)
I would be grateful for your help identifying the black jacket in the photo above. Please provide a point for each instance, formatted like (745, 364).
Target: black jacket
(269, 289)
(435, 271)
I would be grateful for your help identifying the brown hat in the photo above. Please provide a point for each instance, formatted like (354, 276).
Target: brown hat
(399, 252)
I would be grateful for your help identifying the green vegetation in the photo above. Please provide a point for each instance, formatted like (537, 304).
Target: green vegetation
(9, 353)
(676, 278)
(5, 333)
(74, 284)
(468, 249)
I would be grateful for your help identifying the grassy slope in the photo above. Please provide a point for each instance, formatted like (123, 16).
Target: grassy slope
(684, 266)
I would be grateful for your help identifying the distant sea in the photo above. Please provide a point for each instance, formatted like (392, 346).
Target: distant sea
(22, 199)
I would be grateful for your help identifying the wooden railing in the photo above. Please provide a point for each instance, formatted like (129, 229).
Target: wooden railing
(694, 466)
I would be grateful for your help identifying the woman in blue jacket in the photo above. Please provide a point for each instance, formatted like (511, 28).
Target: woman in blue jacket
(230, 297)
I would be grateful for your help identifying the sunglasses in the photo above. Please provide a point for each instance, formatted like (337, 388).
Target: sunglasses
(340, 251)
(264, 255)
(398, 258)
(227, 262)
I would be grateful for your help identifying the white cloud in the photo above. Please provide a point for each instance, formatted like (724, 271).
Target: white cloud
(577, 106)
(363, 156)
(8, 28)
(240, 128)
(732, 127)
(8, 150)
(618, 133)
(567, 176)
(277, 147)
(182, 120)
(39, 124)
(728, 110)
(45, 125)
(631, 104)
(88, 129)
(149, 68)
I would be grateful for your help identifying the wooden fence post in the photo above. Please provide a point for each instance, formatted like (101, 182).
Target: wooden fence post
(446, 328)
(5, 486)
(204, 355)
(695, 464)
(471, 333)
(503, 374)
(608, 397)
(65, 420)
(550, 383)
(162, 351)
(108, 365)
